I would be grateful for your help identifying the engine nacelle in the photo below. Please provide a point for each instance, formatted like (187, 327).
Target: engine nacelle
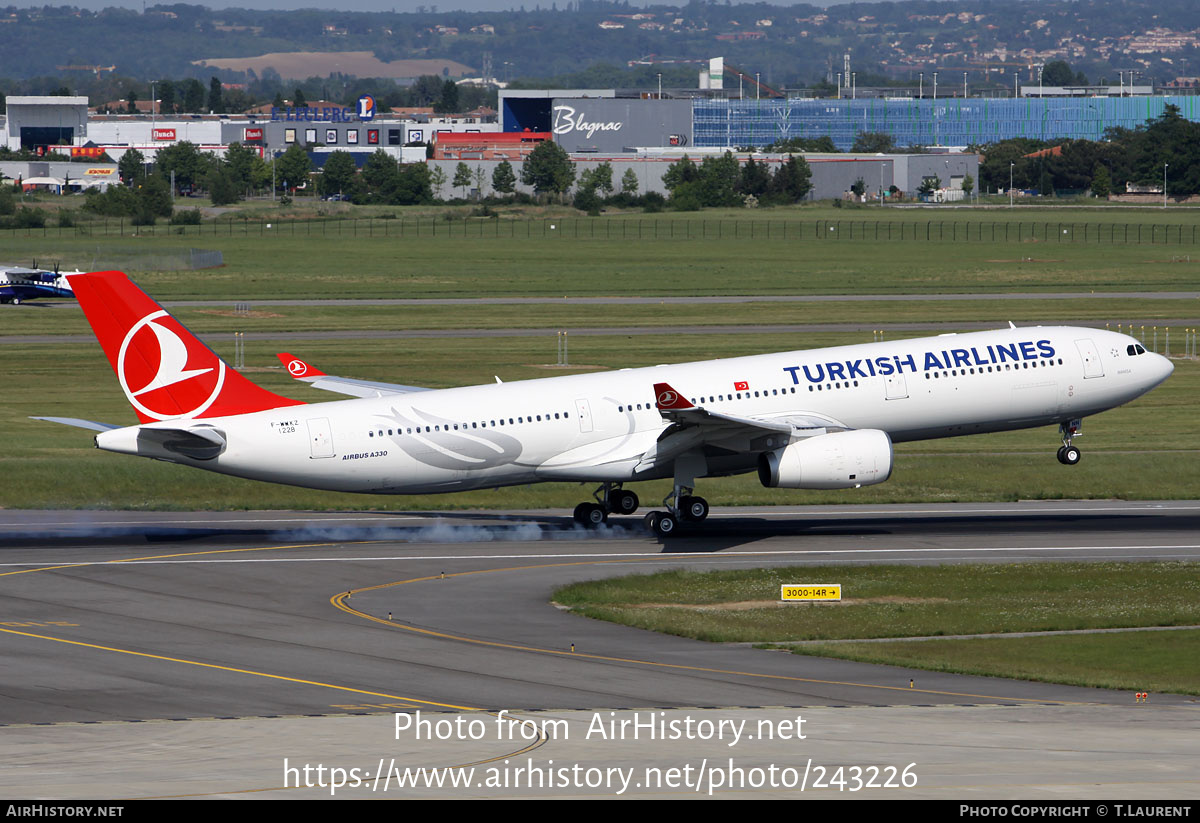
(840, 460)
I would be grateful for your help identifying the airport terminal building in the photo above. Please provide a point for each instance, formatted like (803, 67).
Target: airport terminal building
(630, 129)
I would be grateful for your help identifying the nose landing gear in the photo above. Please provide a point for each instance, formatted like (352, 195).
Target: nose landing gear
(1069, 455)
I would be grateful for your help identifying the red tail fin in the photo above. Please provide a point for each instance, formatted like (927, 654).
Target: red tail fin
(165, 371)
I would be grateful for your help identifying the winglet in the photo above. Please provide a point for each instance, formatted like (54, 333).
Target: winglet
(669, 399)
(298, 368)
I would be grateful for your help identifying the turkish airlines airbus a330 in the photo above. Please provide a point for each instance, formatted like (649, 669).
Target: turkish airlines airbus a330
(817, 419)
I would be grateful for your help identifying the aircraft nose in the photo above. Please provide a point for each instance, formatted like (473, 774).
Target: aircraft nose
(1162, 368)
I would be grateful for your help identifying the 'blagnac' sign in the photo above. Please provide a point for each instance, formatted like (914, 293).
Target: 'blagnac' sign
(566, 120)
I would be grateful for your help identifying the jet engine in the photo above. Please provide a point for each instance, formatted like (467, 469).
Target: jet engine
(840, 460)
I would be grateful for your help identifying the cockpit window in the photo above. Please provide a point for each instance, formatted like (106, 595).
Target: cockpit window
(1134, 349)
(1140, 350)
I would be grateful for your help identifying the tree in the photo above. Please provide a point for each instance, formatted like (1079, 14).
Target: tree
(1101, 182)
(681, 171)
(968, 185)
(858, 187)
(183, 158)
(480, 178)
(548, 168)
(249, 171)
(1057, 73)
(381, 177)
(719, 178)
(293, 167)
(222, 189)
(132, 166)
(629, 182)
(131, 101)
(792, 181)
(152, 199)
(929, 185)
(462, 177)
(873, 142)
(413, 185)
(437, 179)
(447, 102)
(193, 96)
(300, 101)
(504, 179)
(166, 97)
(785, 145)
(215, 103)
(599, 179)
(337, 174)
(755, 178)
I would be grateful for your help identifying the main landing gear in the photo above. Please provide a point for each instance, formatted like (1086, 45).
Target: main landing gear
(1069, 455)
(611, 499)
(683, 508)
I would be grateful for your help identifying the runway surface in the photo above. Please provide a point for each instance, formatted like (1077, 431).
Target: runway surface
(127, 632)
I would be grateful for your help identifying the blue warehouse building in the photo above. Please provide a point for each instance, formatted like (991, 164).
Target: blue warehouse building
(913, 122)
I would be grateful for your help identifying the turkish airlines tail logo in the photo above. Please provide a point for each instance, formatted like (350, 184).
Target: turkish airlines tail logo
(668, 398)
(164, 370)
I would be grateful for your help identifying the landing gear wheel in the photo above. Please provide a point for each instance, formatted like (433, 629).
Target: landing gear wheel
(624, 502)
(590, 515)
(16, 301)
(1068, 455)
(662, 524)
(693, 508)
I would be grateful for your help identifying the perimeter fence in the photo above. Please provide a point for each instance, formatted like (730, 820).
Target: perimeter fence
(643, 228)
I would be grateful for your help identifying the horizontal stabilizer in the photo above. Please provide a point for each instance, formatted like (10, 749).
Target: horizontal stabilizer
(81, 424)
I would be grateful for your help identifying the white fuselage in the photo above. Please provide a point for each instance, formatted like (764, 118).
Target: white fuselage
(605, 426)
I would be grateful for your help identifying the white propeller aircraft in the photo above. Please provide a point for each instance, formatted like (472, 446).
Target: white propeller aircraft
(816, 419)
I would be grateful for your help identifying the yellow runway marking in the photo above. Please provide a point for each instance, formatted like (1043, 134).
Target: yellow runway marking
(215, 666)
(172, 556)
(219, 667)
(338, 600)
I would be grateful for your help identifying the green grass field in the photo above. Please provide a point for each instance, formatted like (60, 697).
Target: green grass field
(1133, 661)
(916, 601)
(747, 254)
(1144, 450)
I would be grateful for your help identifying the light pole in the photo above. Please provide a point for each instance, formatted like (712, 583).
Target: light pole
(1010, 174)
(854, 85)
(757, 86)
(1165, 184)
(935, 85)
(921, 87)
(153, 108)
(660, 85)
(839, 76)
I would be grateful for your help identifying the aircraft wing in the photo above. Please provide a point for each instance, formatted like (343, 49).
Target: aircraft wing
(694, 426)
(307, 373)
(676, 408)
